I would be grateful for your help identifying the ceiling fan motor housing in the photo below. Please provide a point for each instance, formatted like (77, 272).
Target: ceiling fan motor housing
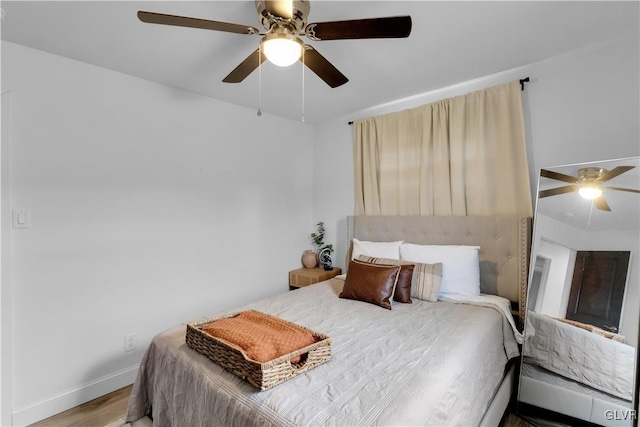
(269, 15)
(590, 174)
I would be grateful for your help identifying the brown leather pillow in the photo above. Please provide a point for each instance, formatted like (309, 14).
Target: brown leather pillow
(371, 283)
(403, 288)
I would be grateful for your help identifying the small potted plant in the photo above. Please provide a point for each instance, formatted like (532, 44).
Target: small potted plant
(310, 257)
(322, 250)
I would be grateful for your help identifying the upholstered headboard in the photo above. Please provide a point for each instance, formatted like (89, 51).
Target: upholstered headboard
(504, 241)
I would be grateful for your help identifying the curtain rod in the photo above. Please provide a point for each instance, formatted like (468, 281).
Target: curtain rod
(522, 82)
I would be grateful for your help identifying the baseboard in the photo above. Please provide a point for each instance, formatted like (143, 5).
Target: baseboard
(72, 398)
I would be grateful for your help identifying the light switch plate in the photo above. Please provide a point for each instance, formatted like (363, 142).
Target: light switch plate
(21, 218)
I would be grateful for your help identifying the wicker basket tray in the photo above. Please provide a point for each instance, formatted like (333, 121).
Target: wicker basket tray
(261, 375)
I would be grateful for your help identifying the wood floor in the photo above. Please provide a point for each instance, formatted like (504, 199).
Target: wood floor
(99, 412)
(512, 420)
(109, 409)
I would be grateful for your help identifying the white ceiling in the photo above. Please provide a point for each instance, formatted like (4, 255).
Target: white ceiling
(580, 213)
(451, 42)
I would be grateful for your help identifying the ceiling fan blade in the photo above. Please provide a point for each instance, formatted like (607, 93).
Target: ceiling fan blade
(323, 68)
(558, 176)
(245, 68)
(205, 24)
(556, 191)
(280, 8)
(373, 28)
(613, 173)
(601, 204)
(630, 190)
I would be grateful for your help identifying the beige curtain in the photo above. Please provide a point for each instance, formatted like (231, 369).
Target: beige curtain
(459, 156)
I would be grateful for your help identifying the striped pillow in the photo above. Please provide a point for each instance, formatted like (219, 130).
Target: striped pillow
(426, 278)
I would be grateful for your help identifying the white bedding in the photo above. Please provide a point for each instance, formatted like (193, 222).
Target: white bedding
(498, 303)
(580, 355)
(418, 364)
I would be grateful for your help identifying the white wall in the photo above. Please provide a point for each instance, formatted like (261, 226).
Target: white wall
(581, 106)
(333, 183)
(559, 271)
(150, 207)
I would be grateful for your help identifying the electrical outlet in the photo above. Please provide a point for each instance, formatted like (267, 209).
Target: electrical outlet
(130, 342)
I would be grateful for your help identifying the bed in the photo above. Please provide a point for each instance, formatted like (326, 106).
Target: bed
(448, 362)
(573, 371)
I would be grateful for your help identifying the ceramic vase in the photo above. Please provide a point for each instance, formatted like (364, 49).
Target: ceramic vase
(309, 259)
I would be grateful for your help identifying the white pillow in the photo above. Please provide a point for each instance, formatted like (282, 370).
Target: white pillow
(376, 249)
(460, 265)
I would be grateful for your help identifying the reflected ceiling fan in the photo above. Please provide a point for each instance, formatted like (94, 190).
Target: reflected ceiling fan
(588, 184)
(284, 21)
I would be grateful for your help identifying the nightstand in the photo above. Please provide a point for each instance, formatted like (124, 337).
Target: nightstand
(308, 276)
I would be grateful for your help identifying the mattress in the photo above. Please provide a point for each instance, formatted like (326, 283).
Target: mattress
(418, 364)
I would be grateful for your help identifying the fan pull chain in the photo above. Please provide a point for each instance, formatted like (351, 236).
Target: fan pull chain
(303, 67)
(259, 113)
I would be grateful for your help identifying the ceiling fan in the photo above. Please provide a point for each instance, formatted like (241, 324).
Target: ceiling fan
(587, 184)
(284, 21)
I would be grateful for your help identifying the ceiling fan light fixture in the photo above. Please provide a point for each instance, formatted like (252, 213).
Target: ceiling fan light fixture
(281, 49)
(590, 191)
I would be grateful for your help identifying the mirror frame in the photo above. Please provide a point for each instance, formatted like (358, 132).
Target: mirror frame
(534, 254)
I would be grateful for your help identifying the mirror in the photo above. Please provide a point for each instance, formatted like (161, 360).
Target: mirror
(583, 304)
